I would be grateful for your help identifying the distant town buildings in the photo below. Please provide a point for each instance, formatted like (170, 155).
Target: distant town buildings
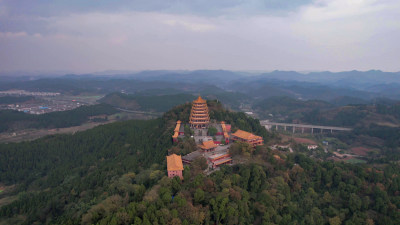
(199, 117)
(28, 93)
(247, 137)
(312, 147)
(43, 102)
(174, 166)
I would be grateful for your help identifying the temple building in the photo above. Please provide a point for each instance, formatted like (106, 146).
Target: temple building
(220, 159)
(247, 137)
(174, 166)
(199, 117)
(226, 128)
(208, 146)
(179, 130)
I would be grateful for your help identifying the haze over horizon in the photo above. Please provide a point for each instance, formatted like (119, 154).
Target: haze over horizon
(301, 35)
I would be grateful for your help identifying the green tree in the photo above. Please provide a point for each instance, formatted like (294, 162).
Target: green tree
(354, 202)
(199, 196)
(335, 221)
(212, 131)
(219, 208)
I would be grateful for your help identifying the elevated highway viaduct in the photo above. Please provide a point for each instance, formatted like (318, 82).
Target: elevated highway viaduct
(312, 128)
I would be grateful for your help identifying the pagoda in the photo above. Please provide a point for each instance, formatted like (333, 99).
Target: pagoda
(199, 117)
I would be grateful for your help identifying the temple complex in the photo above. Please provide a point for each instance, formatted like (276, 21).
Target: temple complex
(199, 117)
(174, 166)
(208, 146)
(247, 137)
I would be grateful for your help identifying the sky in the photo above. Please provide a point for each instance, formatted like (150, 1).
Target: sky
(97, 35)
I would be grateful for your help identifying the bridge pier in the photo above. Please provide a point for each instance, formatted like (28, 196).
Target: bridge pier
(294, 129)
(312, 130)
(302, 130)
(285, 128)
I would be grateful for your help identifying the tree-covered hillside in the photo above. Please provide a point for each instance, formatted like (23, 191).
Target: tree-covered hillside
(291, 190)
(116, 174)
(155, 103)
(10, 120)
(286, 109)
(60, 177)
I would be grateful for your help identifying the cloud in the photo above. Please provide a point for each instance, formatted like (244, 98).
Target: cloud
(325, 10)
(192, 26)
(258, 35)
(48, 8)
(12, 35)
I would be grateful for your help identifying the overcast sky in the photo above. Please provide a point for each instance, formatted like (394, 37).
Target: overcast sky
(96, 35)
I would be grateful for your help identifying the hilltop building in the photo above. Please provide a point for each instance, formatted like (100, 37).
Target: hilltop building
(226, 128)
(208, 146)
(199, 117)
(179, 130)
(220, 159)
(174, 166)
(247, 137)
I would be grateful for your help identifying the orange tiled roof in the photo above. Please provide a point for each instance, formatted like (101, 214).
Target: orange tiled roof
(200, 100)
(245, 135)
(219, 156)
(222, 161)
(176, 131)
(178, 126)
(224, 129)
(174, 162)
(208, 145)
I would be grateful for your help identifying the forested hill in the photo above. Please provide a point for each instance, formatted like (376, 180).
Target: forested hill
(286, 109)
(12, 120)
(62, 179)
(116, 174)
(154, 103)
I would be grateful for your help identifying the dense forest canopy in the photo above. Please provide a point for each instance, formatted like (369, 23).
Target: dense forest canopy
(115, 174)
(286, 109)
(161, 103)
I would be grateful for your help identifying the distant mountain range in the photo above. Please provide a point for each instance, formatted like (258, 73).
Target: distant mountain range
(356, 85)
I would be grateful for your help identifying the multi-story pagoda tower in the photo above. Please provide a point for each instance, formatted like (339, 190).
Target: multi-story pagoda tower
(199, 117)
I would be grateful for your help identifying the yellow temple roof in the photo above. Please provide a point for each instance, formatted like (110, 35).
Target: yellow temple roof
(208, 145)
(177, 128)
(245, 135)
(224, 129)
(200, 100)
(174, 162)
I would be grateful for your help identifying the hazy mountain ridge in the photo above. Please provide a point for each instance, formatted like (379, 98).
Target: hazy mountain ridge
(314, 85)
